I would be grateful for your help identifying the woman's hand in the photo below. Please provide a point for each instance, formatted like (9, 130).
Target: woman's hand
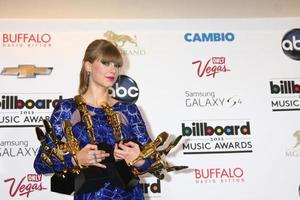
(128, 151)
(91, 156)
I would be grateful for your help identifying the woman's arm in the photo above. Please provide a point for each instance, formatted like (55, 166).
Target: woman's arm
(140, 133)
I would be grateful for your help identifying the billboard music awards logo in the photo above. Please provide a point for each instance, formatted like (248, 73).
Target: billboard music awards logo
(24, 186)
(151, 188)
(26, 110)
(216, 136)
(20, 40)
(17, 149)
(127, 44)
(285, 94)
(209, 37)
(199, 99)
(219, 175)
(294, 151)
(211, 67)
(290, 44)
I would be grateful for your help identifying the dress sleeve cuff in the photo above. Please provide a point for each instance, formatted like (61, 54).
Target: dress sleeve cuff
(68, 161)
(146, 165)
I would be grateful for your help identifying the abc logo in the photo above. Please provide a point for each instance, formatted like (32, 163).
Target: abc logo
(125, 89)
(291, 44)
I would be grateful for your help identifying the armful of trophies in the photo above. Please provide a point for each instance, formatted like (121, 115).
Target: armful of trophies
(56, 148)
(152, 150)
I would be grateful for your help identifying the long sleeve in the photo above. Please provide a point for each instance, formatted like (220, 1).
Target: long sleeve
(139, 131)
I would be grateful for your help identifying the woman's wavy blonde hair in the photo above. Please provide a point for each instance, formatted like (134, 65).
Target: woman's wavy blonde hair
(98, 49)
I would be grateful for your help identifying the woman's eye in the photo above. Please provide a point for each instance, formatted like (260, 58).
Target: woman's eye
(105, 62)
(118, 65)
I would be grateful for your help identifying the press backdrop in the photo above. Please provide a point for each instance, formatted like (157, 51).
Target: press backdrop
(230, 87)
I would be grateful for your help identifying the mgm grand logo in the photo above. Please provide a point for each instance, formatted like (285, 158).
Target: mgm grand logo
(295, 150)
(297, 136)
(127, 44)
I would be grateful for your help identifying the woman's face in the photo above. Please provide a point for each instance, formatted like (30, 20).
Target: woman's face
(103, 73)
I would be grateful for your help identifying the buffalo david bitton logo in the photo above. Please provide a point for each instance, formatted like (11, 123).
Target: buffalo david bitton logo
(127, 44)
(26, 71)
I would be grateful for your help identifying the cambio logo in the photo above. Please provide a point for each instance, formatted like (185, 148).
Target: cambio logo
(209, 37)
(291, 44)
(125, 89)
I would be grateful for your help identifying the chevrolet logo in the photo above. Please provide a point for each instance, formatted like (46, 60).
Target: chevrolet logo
(26, 71)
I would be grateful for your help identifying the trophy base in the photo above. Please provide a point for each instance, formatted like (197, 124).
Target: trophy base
(119, 172)
(93, 178)
(122, 176)
(63, 184)
(90, 179)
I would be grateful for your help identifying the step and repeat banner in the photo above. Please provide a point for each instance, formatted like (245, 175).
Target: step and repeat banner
(230, 87)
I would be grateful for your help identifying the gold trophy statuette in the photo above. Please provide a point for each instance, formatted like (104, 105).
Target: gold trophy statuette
(150, 151)
(86, 117)
(50, 131)
(71, 141)
(113, 120)
(46, 160)
(51, 152)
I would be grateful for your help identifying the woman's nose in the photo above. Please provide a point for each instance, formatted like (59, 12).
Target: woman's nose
(112, 66)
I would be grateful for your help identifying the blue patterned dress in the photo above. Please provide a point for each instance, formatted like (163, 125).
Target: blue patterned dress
(135, 129)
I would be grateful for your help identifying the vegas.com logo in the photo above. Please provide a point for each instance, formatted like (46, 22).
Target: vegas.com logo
(23, 187)
(291, 44)
(125, 89)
